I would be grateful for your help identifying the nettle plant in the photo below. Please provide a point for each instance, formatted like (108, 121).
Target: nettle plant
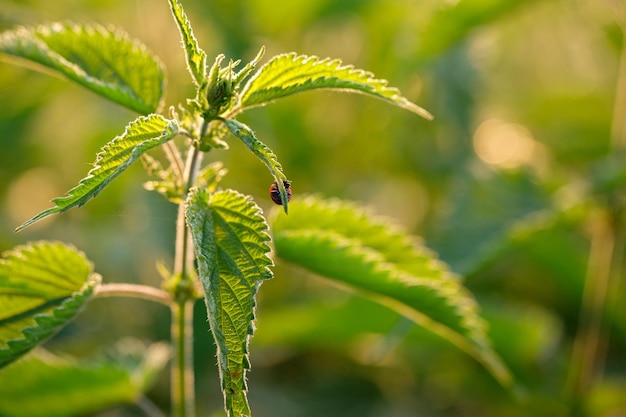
(223, 239)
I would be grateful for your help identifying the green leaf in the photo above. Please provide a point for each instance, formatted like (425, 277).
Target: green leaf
(196, 57)
(44, 385)
(250, 66)
(42, 286)
(264, 153)
(230, 239)
(105, 60)
(141, 135)
(288, 74)
(455, 21)
(343, 243)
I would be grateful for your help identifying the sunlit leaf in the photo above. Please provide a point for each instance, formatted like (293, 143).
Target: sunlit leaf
(288, 74)
(44, 385)
(105, 60)
(42, 286)
(343, 243)
(196, 57)
(263, 152)
(141, 135)
(230, 239)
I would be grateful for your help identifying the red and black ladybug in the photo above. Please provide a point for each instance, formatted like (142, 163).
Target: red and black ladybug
(275, 192)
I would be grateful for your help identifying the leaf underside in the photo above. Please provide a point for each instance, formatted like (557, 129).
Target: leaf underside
(343, 243)
(41, 384)
(105, 60)
(230, 239)
(263, 152)
(288, 74)
(42, 286)
(141, 135)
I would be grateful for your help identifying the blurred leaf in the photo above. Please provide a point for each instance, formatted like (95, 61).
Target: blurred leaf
(196, 57)
(341, 242)
(102, 59)
(44, 385)
(42, 287)
(485, 206)
(289, 74)
(607, 397)
(262, 152)
(230, 239)
(324, 323)
(608, 174)
(141, 135)
(525, 335)
(457, 19)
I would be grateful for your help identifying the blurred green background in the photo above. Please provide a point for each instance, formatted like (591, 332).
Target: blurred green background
(504, 184)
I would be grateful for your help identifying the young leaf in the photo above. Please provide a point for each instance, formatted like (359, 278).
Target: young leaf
(196, 57)
(230, 239)
(288, 74)
(42, 286)
(40, 384)
(338, 241)
(105, 60)
(264, 153)
(141, 135)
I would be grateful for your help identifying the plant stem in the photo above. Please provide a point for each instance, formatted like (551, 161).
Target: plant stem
(605, 263)
(585, 354)
(182, 373)
(183, 392)
(133, 290)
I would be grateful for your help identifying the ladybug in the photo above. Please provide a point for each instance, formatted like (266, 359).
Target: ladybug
(275, 192)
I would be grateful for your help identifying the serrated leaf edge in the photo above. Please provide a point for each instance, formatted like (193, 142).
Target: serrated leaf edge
(36, 334)
(168, 132)
(393, 94)
(78, 74)
(447, 284)
(242, 132)
(194, 55)
(202, 196)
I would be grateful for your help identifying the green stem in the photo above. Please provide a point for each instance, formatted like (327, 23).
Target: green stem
(182, 374)
(183, 392)
(133, 290)
(604, 264)
(587, 345)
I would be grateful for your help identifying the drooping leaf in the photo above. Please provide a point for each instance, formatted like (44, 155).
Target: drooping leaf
(41, 384)
(105, 60)
(230, 239)
(196, 57)
(42, 286)
(288, 74)
(141, 135)
(263, 152)
(343, 243)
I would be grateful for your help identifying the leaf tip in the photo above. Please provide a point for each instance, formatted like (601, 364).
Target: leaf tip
(34, 219)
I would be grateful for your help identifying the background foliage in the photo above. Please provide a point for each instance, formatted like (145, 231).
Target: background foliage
(500, 184)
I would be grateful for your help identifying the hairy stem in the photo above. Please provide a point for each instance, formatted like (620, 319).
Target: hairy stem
(183, 392)
(133, 290)
(182, 375)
